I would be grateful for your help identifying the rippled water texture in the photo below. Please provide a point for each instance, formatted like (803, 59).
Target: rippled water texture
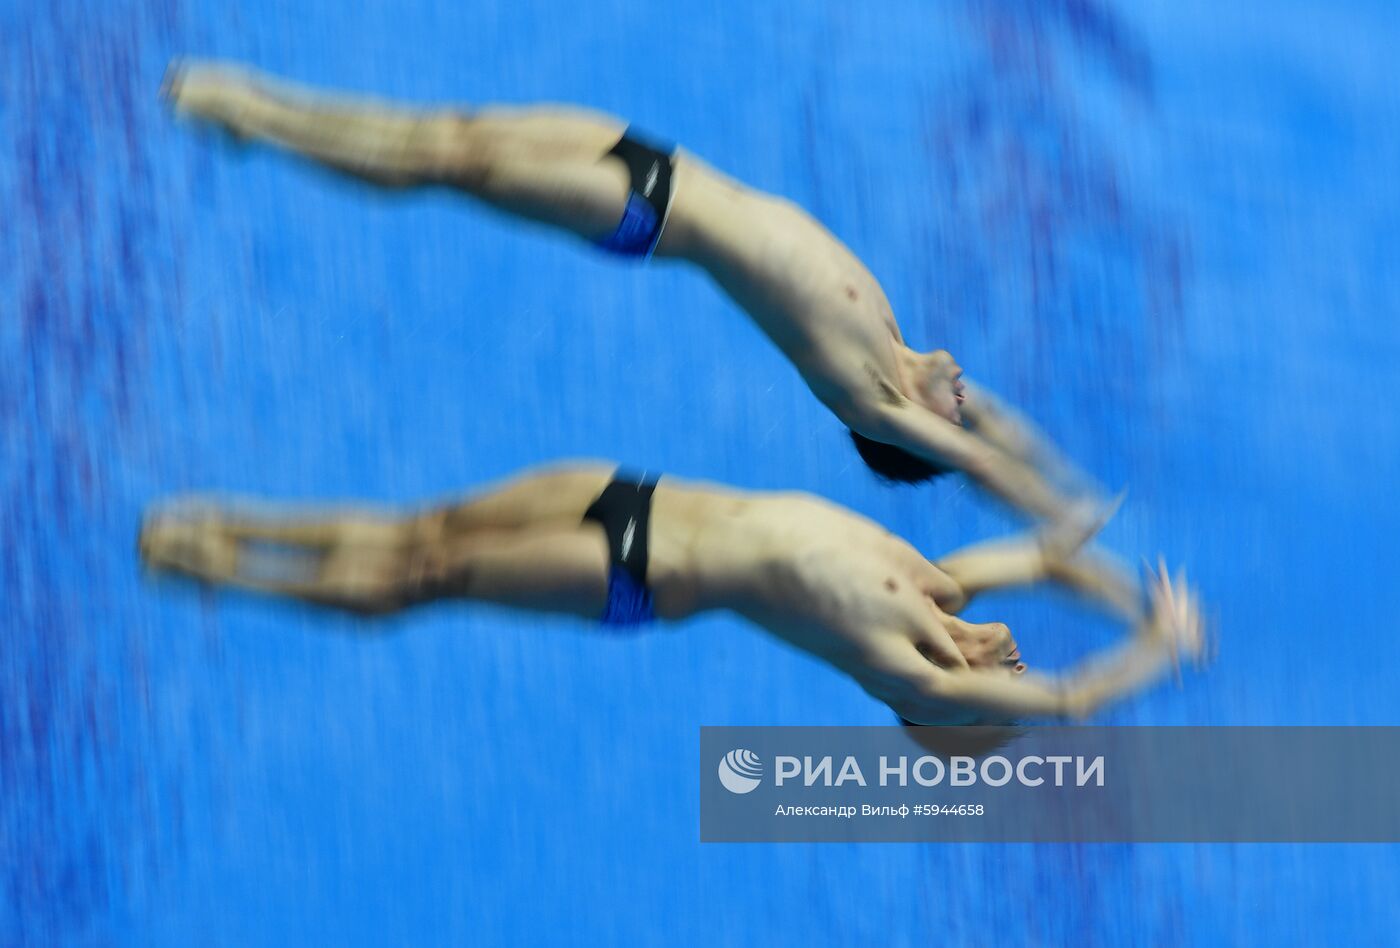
(1165, 229)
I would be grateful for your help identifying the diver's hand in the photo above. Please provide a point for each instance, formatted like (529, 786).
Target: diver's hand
(1174, 623)
(1062, 538)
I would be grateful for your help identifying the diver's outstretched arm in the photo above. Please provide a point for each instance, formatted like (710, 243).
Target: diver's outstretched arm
(1170, 629)
(937, 441)
(1022, 561)
(1056, 554)
(1016, 435)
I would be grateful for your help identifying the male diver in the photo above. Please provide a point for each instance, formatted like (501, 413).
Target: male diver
(588, 541)
(910, 413)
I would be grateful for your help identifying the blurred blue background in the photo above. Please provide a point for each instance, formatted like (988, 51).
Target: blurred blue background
(1165, 229)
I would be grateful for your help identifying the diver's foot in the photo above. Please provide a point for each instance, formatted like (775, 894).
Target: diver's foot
(193, 546)
(208, 91)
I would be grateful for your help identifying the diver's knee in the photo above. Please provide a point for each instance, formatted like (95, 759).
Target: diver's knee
(461, 149)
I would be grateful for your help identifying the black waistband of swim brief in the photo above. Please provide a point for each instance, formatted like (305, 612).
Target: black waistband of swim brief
(623, 510)
(649, 168)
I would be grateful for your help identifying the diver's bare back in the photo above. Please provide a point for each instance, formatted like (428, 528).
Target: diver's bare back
(799, 283)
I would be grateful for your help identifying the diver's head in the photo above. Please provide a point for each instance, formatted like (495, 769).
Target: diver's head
(893, 464)
(986, 645)
(935, 380)
(972, 739)
(989, 649)
(956, 730)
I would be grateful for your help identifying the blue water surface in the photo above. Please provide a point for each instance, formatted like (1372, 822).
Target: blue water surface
(1166, 229)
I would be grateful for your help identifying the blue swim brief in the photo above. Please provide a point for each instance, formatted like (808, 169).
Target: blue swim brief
(623, 510)
(648, 201)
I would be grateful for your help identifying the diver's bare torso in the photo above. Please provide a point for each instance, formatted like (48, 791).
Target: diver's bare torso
(807, 292)
(820, 577)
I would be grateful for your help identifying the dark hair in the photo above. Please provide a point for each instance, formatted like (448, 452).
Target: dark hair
(895, 464)
(971, 740)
